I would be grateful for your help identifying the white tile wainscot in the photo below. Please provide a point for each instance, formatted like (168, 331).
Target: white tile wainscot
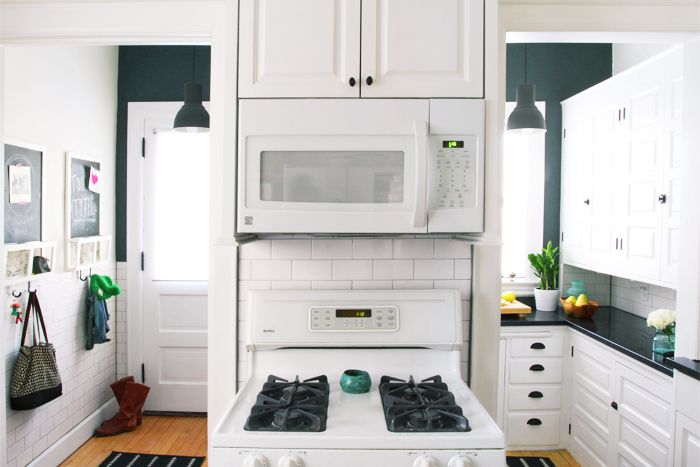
(85, 375)
(359, 264)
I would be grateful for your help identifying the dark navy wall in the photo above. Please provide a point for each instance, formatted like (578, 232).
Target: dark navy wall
(558, 71)
(151, 74)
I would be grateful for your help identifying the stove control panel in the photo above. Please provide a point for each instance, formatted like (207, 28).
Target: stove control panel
(370, 319)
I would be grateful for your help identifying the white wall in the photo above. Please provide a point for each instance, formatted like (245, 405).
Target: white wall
(358, 264)
(628, 55)
(62, 98)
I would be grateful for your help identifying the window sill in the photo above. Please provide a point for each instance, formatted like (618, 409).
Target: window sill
(521, 288)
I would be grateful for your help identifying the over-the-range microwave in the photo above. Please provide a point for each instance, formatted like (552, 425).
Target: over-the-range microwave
(356, 166)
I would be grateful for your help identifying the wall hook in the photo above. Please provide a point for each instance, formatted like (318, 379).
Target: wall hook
(28, 287)
(81, 276)
(14, 291)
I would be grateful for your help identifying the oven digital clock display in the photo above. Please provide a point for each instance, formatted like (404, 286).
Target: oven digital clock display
(353, 313)
(453, 144)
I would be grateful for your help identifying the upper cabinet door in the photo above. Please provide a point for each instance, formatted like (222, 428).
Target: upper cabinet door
(299, 48)
(415, 48)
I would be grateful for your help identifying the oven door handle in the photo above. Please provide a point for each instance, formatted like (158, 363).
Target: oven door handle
(419, 202)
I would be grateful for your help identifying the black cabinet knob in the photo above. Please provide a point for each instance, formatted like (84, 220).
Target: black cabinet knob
(534, 421)
(537, 346)
(662, 199)
(536, 368)
(535, 395)
(352, 82)
(614, 405)
(587, 202)
(369, 81)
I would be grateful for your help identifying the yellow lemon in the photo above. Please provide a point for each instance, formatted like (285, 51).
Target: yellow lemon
(582, 300)
(508, 296)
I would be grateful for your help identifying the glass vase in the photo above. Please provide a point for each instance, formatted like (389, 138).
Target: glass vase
(664, 345)
(576, 289)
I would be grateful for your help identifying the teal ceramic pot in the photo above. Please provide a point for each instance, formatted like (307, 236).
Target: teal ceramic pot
(355, 381)
(576, 289)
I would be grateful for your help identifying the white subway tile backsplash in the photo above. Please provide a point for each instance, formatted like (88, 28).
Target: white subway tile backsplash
(331, 285)
(463, 269)
(413, 285)
(448, 248)
(413, 248)
(360, 269)
(393, 269)
(372, 249)
(256, 250)
(274, 270)
(331, 249)
(371, 285)
(245, 270)
(314, 270)
(291, 249)
(291, 285)
(246, 286)
(434, 269)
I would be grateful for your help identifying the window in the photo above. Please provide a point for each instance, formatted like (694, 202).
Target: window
(523, 202)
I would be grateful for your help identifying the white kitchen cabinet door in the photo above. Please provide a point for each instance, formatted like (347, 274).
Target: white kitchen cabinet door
(645, 426)
(641, 178)
(592, 418)
(687, 441)
(414, 48)
(299, 48)
(575, 188)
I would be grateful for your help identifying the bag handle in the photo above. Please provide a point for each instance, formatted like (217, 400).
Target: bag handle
(33, 302)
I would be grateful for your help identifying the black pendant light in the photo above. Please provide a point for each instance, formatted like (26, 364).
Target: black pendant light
(192, 117)
(526, 118)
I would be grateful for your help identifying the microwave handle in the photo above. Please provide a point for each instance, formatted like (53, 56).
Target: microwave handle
(419, 203)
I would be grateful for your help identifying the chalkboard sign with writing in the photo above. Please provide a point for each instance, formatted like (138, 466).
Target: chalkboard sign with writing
(82, 205)
(22, 192)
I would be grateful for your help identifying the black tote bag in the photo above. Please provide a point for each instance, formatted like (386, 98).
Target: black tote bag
(35, 379)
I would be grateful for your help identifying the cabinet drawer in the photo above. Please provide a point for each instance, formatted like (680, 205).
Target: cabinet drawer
(534, 397)
(535, 370)
(533, 429)
(530, 347)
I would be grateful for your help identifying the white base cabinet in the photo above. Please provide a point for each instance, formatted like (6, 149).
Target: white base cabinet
(564, 390)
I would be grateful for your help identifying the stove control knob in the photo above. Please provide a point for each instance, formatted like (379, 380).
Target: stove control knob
(255, 460)
(460, 460)
(425, 461)
(289, 461)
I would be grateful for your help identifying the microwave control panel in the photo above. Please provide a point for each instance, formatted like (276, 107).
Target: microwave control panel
(453, 170)
(376, 318)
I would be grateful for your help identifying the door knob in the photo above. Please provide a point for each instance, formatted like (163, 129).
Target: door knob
(369, 81)
(352, 82)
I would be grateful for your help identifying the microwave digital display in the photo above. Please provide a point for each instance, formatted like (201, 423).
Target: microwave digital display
(353, 313)
(453, 144)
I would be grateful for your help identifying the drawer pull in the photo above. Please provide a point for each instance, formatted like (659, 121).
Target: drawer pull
(534, 421)
(537, 346)
(536, 368)
(535, 395)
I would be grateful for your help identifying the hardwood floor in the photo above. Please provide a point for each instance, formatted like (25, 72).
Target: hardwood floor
(559, 458)
(187, 436)
(176, 436)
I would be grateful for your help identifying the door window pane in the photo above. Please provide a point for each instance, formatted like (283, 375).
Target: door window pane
(332, 176)
(180, 193)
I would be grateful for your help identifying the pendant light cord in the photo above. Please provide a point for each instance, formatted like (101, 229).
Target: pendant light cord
(193, 56)
(526, 63)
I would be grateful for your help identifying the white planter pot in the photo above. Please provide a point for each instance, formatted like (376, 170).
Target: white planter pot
(546, 300)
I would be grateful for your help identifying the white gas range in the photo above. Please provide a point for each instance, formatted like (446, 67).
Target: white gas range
(408, 342)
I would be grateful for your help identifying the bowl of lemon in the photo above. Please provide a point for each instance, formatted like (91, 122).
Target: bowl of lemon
(579, 307)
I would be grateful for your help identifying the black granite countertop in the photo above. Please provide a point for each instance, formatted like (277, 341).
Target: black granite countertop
(620, 330)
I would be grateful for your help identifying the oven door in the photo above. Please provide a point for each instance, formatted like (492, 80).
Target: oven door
(332, 166)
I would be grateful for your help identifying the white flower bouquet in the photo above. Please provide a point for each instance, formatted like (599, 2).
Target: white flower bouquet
(662, 320)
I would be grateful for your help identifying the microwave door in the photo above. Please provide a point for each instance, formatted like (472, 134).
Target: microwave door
(315, 185)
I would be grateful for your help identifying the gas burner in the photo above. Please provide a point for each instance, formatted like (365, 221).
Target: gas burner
(290, 406)
(420, 407)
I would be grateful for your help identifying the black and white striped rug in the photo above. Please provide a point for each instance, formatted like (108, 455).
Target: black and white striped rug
(129, 459)
(529, 462)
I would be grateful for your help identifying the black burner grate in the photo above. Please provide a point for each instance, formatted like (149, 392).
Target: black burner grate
(420, 407)
(290, 405)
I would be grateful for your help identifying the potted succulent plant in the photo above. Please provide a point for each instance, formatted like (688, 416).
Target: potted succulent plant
(546, 268)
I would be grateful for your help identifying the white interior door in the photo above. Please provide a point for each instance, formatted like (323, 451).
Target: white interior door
(175, 277)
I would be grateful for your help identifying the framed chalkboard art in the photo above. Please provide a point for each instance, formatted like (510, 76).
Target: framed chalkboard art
(83, 182)
(23, 191)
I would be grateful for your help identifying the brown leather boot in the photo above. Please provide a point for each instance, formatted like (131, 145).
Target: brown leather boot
(118, 390)
(133, 398)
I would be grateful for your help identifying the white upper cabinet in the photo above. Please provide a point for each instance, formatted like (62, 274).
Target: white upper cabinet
(409, 48)
(299, 48)
(415, 48)
(621, 157)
